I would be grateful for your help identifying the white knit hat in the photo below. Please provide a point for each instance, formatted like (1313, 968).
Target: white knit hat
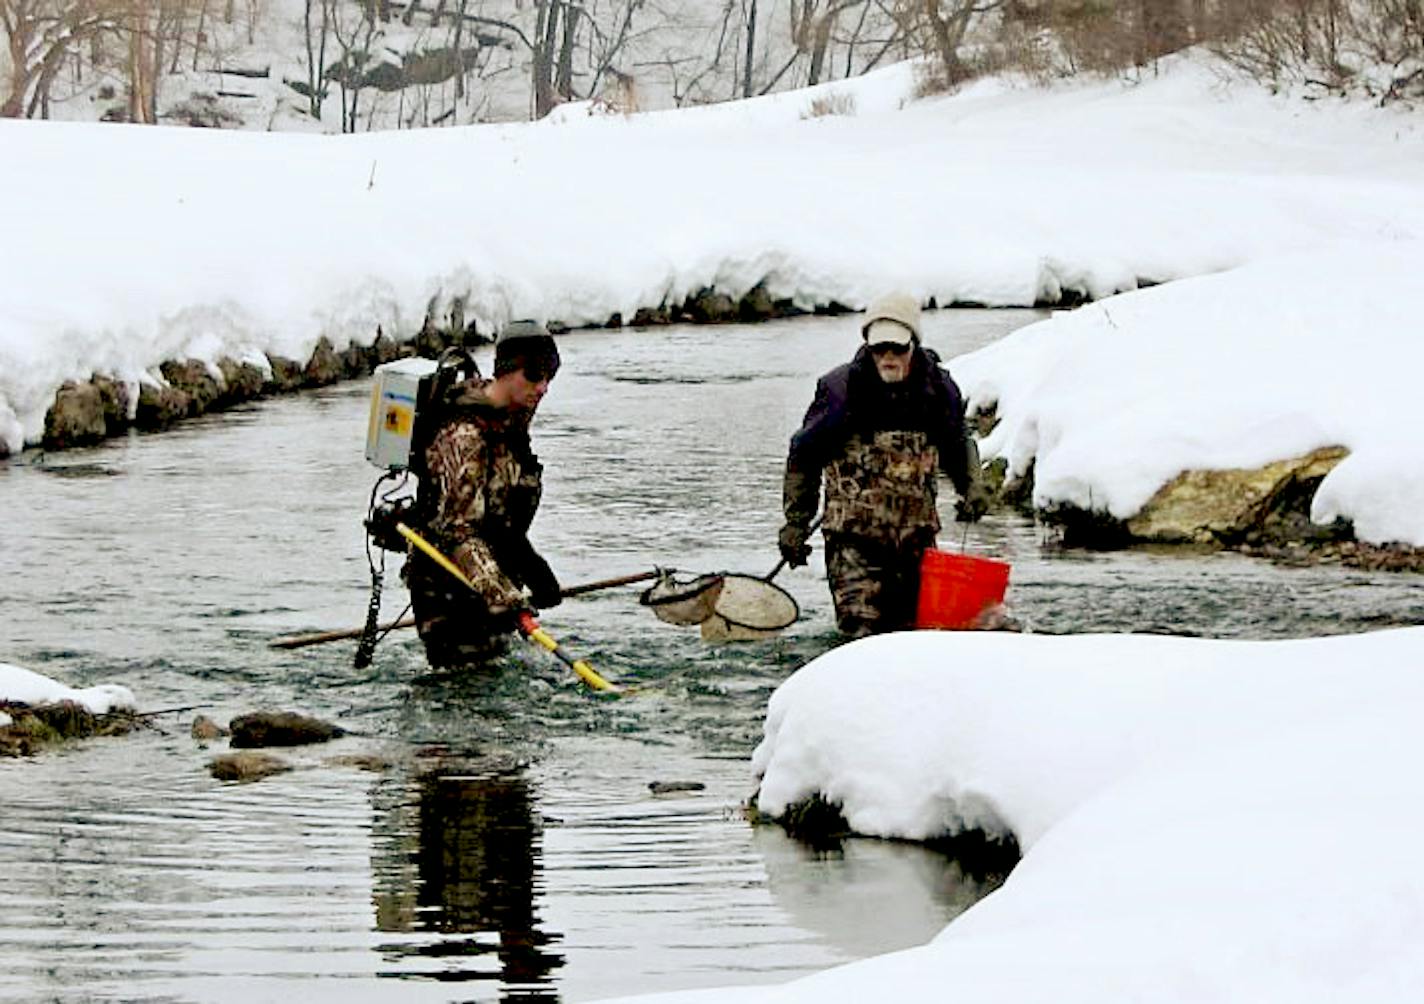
(894, 317)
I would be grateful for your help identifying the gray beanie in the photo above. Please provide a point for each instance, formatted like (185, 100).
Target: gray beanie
(895, 317)
(525, 345)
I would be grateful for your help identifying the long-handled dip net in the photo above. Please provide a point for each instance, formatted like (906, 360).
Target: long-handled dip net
(728, 606)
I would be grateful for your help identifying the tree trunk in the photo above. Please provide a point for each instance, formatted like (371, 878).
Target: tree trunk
(155, 76)
(854, 38)
(1332, 35)
(200, 38)
(547, 31)
(1201, 28)
(801, 23)
(49, 69)
(751, 48)
(140, 66)
(179, 22)
(316, 57)
(819, 43)
(459, 54)
(946, 35)
(565, 82)
(14, 104)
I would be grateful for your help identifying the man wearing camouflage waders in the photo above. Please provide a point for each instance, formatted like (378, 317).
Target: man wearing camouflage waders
(480, 487)
(878, 431)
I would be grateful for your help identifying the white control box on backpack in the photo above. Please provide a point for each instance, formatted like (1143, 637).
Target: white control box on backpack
(394, 394)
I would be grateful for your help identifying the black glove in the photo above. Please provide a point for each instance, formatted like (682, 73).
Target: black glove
(518, 560)
(792, 542)
(973, 504)
(544, 589)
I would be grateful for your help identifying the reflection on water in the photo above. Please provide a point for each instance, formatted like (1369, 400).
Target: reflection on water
(457, 862)
(902, 890)
(511, 846)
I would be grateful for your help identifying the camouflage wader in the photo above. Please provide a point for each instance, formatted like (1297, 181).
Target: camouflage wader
(486, 484)
(875, 586)
(457, 625)
(880, 517)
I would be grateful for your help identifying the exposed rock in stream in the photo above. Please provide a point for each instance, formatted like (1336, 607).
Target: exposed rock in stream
(674, 787)
(821, 824)
(280, 728)
(1263, 512)
(205, 730)
(248, 765)
(34, 728)
(85, 413)
(1225, 506)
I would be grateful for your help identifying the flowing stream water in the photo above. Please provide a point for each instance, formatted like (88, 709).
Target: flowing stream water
(486, 836)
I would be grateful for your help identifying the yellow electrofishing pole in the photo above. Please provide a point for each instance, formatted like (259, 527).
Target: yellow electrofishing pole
(528, 626)
(539, 636)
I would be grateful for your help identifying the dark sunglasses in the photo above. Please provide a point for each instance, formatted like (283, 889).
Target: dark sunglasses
(882, 348)
(535, 372)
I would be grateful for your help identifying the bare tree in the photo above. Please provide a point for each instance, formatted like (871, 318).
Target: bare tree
(703, 85)
(817, 31)
(546, 30)
(940, 27)
(1278, 40)
(316, 25)
(40, 36)
(750, 18)
(354, 32)
(606, 48)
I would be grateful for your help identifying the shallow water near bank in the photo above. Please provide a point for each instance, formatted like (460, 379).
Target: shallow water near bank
(486, 836)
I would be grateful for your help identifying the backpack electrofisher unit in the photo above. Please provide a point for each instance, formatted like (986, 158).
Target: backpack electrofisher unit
(395, 394)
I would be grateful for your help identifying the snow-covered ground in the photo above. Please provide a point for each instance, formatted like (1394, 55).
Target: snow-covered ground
(24, 686)
(1201, 820)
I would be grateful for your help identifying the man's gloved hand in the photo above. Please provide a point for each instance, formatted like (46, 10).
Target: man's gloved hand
(973, 504)
(544, 589)
(792, 542)
(526, 567)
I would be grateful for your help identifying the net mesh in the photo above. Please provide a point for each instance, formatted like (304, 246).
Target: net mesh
(728, 606)
(682, 601)
(755, 604)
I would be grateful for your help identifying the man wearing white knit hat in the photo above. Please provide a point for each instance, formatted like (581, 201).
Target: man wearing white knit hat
(878, 431)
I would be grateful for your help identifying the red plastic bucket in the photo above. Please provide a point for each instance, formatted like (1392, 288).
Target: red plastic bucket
(956, 588)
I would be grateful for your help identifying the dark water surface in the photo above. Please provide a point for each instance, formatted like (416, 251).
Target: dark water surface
(484, 837)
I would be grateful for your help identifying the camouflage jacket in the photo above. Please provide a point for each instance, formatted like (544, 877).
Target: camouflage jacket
(879, 448)
(486, 482)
